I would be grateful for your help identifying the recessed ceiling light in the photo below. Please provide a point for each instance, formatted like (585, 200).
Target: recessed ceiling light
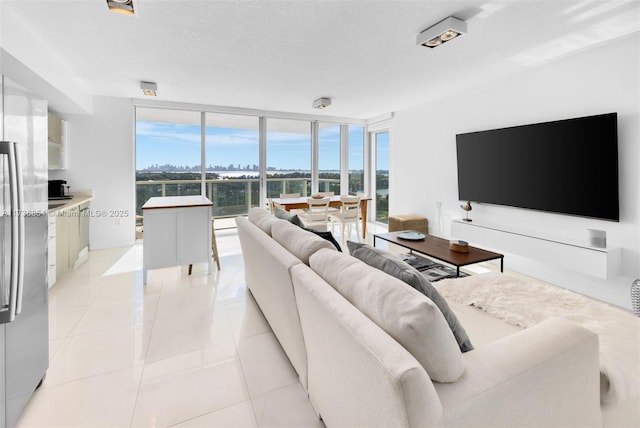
(321, 103)
(442, 32)
(121, 6)
(149, 88)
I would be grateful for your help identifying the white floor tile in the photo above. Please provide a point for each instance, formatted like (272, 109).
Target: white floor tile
(246, 318)
(98, 401)
(63, 296)
(187, 328)
(266, 367)
(237, 416)
(123, 286)
(62, 321)
(285, 407)
(183, 350)
(186, 389)
(54, 346)
(91, 354)
(104, 315)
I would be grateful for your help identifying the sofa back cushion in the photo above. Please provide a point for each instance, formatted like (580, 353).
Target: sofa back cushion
(405, 314)
(391, 264)
(262, 218)
(297, 241)
(267, 271)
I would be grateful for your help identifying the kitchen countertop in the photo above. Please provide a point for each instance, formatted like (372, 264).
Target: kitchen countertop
(176, 202)
(65, 204)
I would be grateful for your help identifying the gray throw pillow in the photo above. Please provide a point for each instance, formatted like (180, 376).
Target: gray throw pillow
(286, 215)
(392, 265)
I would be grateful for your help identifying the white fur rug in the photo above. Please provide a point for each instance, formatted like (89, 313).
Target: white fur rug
(526, 303)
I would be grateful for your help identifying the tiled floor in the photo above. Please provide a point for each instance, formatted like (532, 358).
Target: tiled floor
(183, 351)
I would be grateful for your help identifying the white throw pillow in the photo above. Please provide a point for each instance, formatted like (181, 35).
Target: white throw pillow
(404, 313)
(298, 241)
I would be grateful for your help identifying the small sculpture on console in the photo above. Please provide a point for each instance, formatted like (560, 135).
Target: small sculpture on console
(467, 208)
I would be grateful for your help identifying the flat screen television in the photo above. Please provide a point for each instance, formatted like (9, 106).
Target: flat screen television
(565, 166)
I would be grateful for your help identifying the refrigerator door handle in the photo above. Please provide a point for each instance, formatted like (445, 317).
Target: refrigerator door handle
(9, 149)
(21, 231)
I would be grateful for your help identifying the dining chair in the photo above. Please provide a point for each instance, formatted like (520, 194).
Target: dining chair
(289, 195)
(348, 215)
(324, 194)
(317, 214)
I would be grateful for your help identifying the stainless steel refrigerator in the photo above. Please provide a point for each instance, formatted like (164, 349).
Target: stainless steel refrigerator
(24, 337)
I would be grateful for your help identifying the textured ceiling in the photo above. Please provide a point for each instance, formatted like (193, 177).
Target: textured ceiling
(281, 55)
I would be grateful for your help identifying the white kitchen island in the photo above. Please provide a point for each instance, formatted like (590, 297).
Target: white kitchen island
(177, 231)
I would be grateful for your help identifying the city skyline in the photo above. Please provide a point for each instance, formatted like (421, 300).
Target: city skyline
(160, 143)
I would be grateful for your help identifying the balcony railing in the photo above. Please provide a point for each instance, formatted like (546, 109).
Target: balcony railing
(230, 197)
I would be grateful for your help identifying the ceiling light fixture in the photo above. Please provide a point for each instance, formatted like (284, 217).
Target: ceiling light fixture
(442, 32)
(321, 103)
(149, 88)
(121, 6)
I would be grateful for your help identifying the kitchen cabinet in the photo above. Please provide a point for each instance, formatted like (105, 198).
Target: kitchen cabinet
(67, 234)
(68, 241)
(56, 142)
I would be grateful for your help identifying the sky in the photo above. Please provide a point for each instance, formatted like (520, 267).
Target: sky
(175, 144)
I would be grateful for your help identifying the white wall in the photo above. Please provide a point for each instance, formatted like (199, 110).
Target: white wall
(600, 80)
(101, 158)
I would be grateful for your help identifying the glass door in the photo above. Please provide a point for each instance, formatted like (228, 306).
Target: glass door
(329, 158)
(168, 154)
(232, 159)
(356, 158)
(288, 157)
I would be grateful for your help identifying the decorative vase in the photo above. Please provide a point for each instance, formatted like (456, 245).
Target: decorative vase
(635, 297)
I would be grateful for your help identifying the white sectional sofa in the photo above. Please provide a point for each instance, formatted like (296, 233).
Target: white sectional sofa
(372, 351)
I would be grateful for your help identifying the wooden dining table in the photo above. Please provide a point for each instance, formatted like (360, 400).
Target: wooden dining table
(289, 204)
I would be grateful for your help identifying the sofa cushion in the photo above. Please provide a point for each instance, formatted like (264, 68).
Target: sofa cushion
(405, 314)
(297, 241)
(391, 264)
(290, 217)
(262, 218)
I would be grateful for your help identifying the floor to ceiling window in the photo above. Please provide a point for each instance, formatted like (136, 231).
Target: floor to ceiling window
(329, 158)
(288, 157)
(381, 185)
(236, 157)
(232, 154)
(168, 154)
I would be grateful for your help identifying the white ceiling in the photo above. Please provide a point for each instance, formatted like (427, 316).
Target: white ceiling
(281, 55)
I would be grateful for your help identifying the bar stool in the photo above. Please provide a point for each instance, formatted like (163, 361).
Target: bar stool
(214, 247)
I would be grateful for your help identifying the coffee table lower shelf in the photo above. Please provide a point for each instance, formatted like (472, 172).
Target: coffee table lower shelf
(433, 270)
(438, 248)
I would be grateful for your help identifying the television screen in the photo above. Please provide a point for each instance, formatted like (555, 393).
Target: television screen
(566, 166)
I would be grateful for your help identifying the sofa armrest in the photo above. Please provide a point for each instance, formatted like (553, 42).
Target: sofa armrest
(358, 375)
(547, 375)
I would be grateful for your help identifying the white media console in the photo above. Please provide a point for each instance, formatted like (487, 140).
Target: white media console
(598, 262)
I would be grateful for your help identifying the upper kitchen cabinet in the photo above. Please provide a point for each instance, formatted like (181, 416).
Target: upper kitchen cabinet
(57, 143)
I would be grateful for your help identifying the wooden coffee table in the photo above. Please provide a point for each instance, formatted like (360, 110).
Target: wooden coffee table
(438, 248)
